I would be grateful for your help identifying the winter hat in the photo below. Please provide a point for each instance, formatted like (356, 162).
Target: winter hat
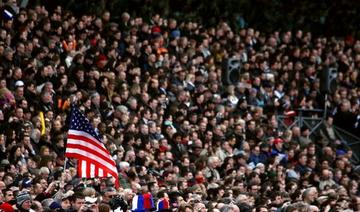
(54, 205)
(291, 174)
(22, 197)
(26, 183)
(175, 33)
(19, 83)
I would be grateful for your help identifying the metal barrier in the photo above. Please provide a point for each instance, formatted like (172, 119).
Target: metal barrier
(351, 141)
(314, 121)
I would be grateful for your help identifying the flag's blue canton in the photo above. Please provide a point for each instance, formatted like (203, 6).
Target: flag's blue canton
(81, 123)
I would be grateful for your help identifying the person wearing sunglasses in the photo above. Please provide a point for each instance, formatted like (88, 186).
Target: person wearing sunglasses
(107, 194)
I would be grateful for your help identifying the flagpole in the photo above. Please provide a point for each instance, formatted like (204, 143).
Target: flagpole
(72, 102)
(66, 159)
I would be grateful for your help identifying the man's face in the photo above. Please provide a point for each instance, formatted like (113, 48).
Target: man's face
(8, 180)
(278, 200)
(9, 195)
(65, 204)
(108, 196)
(19, 113)
(256, 150)
(78, 203)
(38, 188)
(2, 186)
(303, 160)
(313, 195)
(43, 185)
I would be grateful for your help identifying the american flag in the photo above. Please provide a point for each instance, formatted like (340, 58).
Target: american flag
(84, 144)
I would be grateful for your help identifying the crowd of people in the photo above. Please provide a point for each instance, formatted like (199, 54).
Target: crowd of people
(184, 137)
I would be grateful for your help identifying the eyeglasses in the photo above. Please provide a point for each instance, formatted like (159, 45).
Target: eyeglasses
(111, 196)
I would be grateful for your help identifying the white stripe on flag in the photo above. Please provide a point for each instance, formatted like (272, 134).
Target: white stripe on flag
(87, 135)
(83, 168)
(87, 144)
(101, 172)
(135, 202)
(92, 170)
(93, 157)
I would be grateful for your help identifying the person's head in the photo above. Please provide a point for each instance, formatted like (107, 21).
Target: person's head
(128, 194)
(256, 150)
(261, 209)
(78, 201)
(345, 105)
(36, 206)
(44, 151)
(38, 188)
(46, 97)
(278, 143)
(8, 179)
(8, 195)
(355, 203)
(23, 201)
(2, 186)
(302, 159)
(19, 113)
(108, 194)
(44, 172)
(213, 162)
(65, 203)
(313, 208)
(184, 207)
(309, 195)
(90, 205)
(326, 174)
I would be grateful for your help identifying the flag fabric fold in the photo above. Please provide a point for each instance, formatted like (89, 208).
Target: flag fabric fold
(42, 122)
(85, 145)
(163, 204)
(142, 203)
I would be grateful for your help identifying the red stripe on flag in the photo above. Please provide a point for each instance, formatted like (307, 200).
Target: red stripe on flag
(97, 171)
(88, 140)
(90, 151)
(107, 170)
(147, 201)
(88, 167)
(79, 168)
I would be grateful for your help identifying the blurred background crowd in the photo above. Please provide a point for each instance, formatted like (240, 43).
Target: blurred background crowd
(184, 138)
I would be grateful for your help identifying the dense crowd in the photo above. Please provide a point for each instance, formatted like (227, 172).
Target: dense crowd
(181, 136)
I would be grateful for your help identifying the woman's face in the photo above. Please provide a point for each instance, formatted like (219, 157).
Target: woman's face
(291, 153)
(3, 83)
(57, 125)
(46, 151)
(64, 80)
(2, 139)
(18, 152)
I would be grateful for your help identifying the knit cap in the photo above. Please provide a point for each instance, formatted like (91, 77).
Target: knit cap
(22, 197)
